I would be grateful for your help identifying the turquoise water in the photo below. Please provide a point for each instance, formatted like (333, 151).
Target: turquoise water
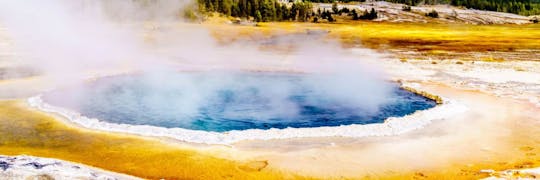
(224, 102)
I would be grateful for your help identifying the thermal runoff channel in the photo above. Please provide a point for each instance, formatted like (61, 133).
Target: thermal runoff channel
(224, 101)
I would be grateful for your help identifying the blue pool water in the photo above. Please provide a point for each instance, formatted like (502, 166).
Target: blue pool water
(224, 102)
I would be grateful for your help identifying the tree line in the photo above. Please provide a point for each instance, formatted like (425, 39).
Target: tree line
(272, 10)
(522, 7)
(332, 1)
(260, 10)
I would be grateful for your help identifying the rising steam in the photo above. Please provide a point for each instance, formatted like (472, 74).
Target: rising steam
(67, 40)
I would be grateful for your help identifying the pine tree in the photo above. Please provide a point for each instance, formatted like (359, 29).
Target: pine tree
(354, 15)
(258, 16)
(335, 9)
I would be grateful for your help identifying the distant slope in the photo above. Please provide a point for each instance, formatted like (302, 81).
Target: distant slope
(521, 7)
(393, 12)
(283, 10)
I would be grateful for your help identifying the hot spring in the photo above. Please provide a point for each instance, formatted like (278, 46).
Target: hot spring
(221, 102)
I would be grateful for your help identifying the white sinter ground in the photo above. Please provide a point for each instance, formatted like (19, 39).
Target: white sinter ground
(518, 80)
(514, 79)
(30, 167)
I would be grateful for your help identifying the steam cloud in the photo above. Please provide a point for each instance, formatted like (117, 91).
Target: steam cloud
(67, 40)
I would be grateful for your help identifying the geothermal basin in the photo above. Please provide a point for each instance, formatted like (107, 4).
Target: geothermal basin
(225, 101)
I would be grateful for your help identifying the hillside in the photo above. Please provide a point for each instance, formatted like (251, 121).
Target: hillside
(394, 12)
(522, 7)
(280, 10)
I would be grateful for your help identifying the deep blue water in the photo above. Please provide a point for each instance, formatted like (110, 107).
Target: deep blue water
(223, 103)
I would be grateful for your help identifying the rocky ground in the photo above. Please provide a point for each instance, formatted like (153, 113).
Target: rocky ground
(532, 173)
(29, 167)
(514, 79)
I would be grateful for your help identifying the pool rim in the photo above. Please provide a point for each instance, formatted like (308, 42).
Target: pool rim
(398, 84)
(391, 126)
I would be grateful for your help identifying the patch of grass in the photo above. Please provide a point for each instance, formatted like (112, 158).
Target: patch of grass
(492, 59)
(519, 69)
(403, 60)
(437, 52)
(23, 131)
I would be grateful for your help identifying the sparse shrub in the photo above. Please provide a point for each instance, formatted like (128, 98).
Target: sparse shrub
(258, 16)
(344, 10)
(534, 20)
(354, 15)
(459, 62)
(492, 59)
(328, 16)
(406, 8)
(369, 15)
(335, 9)
(519, 69)
(189, 14)
(433, 14)
(433, 62)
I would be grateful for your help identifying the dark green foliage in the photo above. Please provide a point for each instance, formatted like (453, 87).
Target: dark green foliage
(406, 8)
(354, 15)
(331, 1)
(368, 15)
(272, 10)
(433, 14)
(330, 18)
(335, 9)
(327, 15)
(407, 2)
(258, 16)
(315, 20)
(259, 10)
(523, 7)
(285, 13)
(344, 10)
(304, 11)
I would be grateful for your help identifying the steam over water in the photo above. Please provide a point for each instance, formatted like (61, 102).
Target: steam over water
(69, 41)
(219, 101)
